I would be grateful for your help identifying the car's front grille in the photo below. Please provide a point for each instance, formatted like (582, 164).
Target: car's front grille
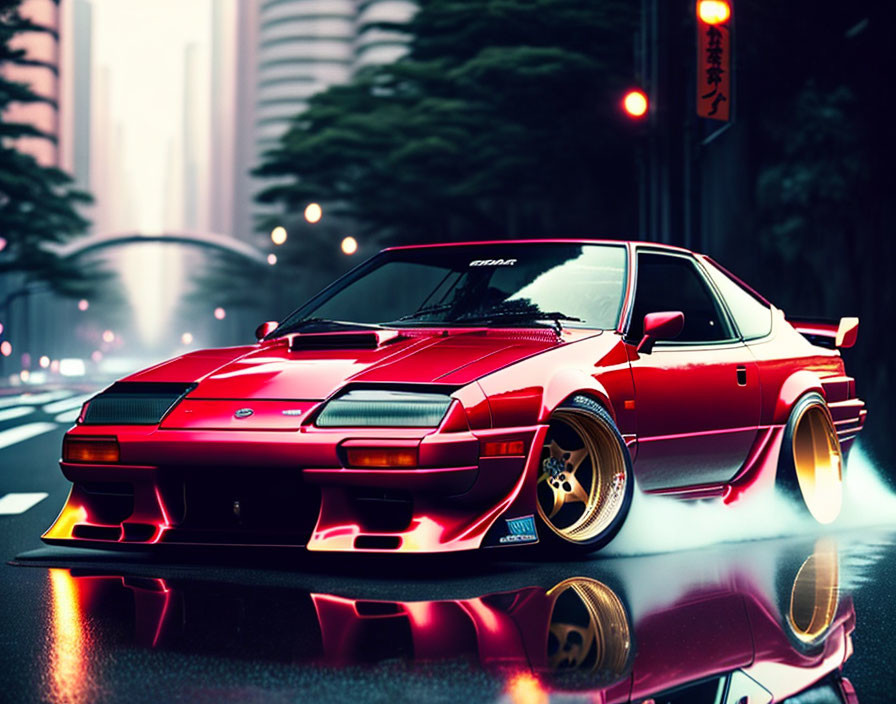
(244, 506)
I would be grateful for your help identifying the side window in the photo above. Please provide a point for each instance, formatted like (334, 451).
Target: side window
(752, 317)
(669, 282)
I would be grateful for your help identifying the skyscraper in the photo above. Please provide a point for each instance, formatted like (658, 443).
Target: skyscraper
(44, 80)
(285, 52)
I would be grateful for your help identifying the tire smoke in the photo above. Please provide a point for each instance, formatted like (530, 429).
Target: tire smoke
(662, 524)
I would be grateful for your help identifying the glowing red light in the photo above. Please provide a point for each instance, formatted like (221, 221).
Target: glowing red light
(713, 11)
(635, 103)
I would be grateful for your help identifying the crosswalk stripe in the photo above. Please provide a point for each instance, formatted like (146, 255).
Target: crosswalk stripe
(17, 412)
(33, 399)
(67, 404)
(24, 432)
(69, 416)
(19, 503)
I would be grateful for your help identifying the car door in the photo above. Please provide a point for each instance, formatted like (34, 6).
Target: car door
(697, 398)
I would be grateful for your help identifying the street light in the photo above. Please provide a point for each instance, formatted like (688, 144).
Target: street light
(349, 245)
(713, 11)
(635, 103)
(313, 213)
(278, 235)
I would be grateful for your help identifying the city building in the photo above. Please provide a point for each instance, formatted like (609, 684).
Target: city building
(284, 52)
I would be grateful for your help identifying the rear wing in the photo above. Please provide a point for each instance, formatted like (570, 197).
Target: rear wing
(827, 332)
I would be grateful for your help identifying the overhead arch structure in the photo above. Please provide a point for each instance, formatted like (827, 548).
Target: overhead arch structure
(209, 240)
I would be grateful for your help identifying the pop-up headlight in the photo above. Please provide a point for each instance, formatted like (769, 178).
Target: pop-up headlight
(385, 409)
(133, 403)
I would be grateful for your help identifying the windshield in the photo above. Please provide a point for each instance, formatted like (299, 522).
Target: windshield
(581, 285)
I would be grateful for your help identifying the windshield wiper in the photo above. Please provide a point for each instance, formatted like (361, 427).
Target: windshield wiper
(324, 322)
(521, 315)
(426, 310)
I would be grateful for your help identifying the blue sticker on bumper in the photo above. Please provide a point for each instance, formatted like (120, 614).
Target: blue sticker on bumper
(522, 530)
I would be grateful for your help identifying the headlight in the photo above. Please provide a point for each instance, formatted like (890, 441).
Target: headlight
(385, 409)
(133, 403)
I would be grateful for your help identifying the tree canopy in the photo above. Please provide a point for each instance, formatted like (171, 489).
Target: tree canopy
(502, 120)
(38, 204)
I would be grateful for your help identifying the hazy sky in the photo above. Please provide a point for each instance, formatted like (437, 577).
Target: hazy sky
(138, 150)
(142, 45)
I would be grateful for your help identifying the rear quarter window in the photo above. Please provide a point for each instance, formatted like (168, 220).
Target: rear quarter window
(752, 317)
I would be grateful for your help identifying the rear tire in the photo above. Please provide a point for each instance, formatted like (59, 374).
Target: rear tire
(810, 466)
(585, 481)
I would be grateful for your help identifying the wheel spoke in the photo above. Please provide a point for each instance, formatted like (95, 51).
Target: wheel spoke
(559, 501)
(556, 451)
(577, 491)
(576, 457)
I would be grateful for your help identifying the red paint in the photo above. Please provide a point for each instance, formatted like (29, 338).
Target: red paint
(706, 420)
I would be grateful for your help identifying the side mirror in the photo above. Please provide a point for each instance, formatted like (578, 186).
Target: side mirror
(265, 329)
(660, 326)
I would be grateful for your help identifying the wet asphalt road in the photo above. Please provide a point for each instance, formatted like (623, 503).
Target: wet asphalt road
(80, 626)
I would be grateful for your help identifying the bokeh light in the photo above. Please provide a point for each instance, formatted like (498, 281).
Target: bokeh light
(54, 366)
(44, 362)
(187, 338)
(278, 235)
(220, 313)
(108, 336)
(97, 356)
(635, 103)
(349, 245)
(272, 259)
(313, 213)
(2, 243)
(6, 348)
(83, 304)
(713, 11)
(25, 375)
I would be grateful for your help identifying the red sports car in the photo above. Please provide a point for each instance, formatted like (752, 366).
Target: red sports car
(454, 397)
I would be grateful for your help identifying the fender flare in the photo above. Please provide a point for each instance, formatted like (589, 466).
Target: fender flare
(794, 387)
(569, 382)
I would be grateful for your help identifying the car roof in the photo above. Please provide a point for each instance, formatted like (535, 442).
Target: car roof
(565, 240)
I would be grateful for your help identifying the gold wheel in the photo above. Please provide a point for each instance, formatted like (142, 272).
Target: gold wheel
(815, 594)
(583, 476)
(818, 463)
(588, 630)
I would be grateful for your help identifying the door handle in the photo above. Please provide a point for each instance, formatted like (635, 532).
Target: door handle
(741, 375)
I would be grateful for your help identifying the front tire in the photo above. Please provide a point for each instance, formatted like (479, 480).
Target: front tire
(585, 483)
(810, 467)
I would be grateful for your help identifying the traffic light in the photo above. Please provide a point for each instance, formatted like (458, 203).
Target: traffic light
(635, 103)
(713, 11)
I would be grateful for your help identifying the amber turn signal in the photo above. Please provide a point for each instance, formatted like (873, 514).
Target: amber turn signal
(91, 450)
(381, 457)
(503, 447)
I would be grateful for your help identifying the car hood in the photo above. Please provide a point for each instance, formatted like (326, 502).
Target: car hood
(313, 367)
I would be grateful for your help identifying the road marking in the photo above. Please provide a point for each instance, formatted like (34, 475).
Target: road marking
(69, 416)
(33, 399)
(19, 503)
(68, 403)
(16, 412)
(24, 432)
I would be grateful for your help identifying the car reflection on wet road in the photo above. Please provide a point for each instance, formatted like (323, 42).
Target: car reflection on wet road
(755, 622)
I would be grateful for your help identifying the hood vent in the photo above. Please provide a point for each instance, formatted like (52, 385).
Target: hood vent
(342, 340)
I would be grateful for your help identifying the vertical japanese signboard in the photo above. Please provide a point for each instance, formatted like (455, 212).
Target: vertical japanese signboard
(714, 69)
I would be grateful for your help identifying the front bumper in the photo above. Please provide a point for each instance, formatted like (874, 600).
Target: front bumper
(277, 488)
